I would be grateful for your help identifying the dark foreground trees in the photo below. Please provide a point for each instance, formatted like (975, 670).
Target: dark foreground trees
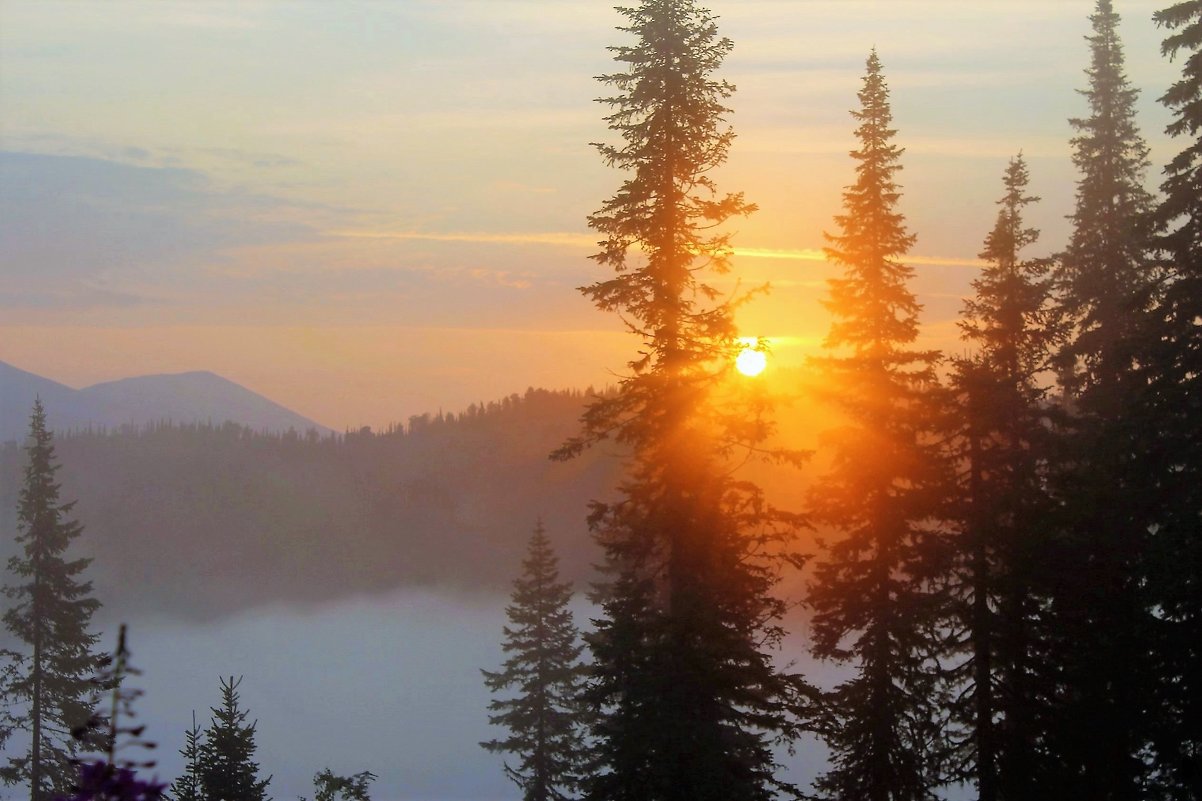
(1004, 684)
(226, 764)
(51, 615)
(544, 718)
(1173, 406)
(687, 697)
(329, 786)
(187, 787)
(873, 604)
(1103, 710)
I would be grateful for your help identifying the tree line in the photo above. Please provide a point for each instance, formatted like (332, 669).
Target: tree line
(1012, 572)
(1012, 561)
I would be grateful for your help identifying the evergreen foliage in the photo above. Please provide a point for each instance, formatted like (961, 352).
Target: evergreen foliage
(687, 697)
(318, 520)
(1104, 274)
(1102, 624)
(51, 613)
(1000, 591)
(329, 786)
(1173, 410)
(873, 601)
(227, 767)
(188, 787)
(545, 719)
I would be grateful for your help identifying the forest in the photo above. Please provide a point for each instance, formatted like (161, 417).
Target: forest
(1000, 549)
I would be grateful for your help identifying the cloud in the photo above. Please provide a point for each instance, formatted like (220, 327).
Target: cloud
(80, 231)
(566, 239)
(532, 238)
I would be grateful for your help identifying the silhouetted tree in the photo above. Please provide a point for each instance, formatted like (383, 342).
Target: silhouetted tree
(1004, 444)
(51, 614)
(1173, 408)
(873, 605)
(188, 786)
(329, 786)
(1104, 273)
(544, 719)
(1100, 605)
(687, 696)
(227, 767)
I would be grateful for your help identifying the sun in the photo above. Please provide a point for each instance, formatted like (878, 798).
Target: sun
(752, 360)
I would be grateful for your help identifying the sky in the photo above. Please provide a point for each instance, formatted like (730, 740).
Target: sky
(371, 210)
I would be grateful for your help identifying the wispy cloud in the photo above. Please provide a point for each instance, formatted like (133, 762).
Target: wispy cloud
(543, 238)
(566, 239)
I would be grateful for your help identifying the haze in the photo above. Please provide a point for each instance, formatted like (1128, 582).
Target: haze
(371, 210)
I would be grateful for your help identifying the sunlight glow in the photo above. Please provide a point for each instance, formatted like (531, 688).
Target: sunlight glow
(752, 360)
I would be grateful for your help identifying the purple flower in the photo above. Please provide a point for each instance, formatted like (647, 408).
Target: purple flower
(101, 781)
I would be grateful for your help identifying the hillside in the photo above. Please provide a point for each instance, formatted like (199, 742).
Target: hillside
(200, 521)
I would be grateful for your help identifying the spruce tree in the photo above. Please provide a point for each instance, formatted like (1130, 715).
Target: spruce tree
(329, 786)
(1173, 408)
(51, 614)
(1104, 275)
(1101, 612)
(687, 698)
(1003, 682)
(188, 787)
(873, 604)
(227, 767)
(544, 719)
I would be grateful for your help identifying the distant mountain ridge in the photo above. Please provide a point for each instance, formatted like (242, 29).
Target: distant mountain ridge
(139, 401)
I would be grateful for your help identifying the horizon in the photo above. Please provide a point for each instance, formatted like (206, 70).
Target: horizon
(917, 524)
(417, 247)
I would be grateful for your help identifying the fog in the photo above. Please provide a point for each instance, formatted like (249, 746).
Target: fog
(388, 684)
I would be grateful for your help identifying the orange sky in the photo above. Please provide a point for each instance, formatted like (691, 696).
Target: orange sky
(367, 211)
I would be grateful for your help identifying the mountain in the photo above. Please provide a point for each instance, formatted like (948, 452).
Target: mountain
(17, 392)
(180, 398)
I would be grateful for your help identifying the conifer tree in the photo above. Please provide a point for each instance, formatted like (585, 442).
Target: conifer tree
(51, 614)
(687, 698)
(545, 718)
(188, 787)
(1173, 408)
(1003, 448)
(873, 603)
(329, 786)
(227, 767)
(1104, 274)
(1100, 609)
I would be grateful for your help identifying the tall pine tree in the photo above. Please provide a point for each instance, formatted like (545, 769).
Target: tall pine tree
(1173, 409)
(1103, 709)
(544, 719)
(1104, 274)
(873, 604)
(1003, 681)
(687, 696)
(51, 614)
(227, 766)
(188, 787)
